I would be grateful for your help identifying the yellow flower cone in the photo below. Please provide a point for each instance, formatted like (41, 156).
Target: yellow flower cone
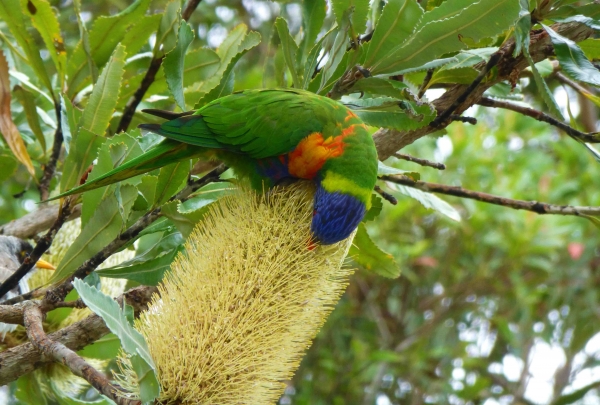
(239, 309)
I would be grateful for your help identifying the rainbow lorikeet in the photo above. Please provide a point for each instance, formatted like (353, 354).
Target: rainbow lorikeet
(268, 136)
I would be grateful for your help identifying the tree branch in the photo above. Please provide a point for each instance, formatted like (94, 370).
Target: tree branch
(33, 317)
(540, 116)
(25, 358)
(533, 206)
(419, 161)
(38, 221)
(50, 167)
(389, 141)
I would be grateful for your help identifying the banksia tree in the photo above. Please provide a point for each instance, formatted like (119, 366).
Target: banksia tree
(237, 311)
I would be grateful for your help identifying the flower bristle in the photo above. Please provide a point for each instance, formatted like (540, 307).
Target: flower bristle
(240, 307)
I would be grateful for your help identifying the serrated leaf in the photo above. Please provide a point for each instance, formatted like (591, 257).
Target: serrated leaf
(8, 129)
(103, 227)
(428, 200)
(366, 253)
(385, 170)
(171, 179)
(313, 15)
(337, 53)
(359, 11)
(104, 36)
(381, 87)
(45, 21)
(459, 75)
(115, 151)
(572, 59)
(482, 19)
(149, 272)
(132, 341)
(27, 100)
(69, 118)
(522, 28)
(137, 35)
(166, 36)
(289, 49)
(12, 15)
(82, 152)
(313, 58)
(434, 64)
(375, 210)
(546, 94)
(390, 113)
(397, 22)
(103, 100)
(173, 63)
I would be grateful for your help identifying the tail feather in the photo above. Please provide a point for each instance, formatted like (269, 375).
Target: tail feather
(161, 155)
(168, 115)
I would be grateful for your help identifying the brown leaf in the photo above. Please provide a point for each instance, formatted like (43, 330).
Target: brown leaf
(8, 129)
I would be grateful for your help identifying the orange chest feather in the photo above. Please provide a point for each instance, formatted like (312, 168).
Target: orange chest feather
(313, 151)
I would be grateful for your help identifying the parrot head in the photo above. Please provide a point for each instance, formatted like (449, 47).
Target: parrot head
(336, 215)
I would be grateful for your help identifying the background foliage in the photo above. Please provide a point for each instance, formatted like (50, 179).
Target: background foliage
(501, 307)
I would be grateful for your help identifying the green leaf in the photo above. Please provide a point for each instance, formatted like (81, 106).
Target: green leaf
(104, 36)
(82, 152)
(166, 36)
(367, 254)
(381, 87)
(137, 35)
(337, 53)
(572, 59)
(391, 113)
(289, 48)
(105, 348)
(8, 165)
(375, 210)
(546, 94)
(313, 15)
(576, 395)
(522, 28)
(313, 58)
(385, 170)
(28, 102)
(428, 200)
(29, 391)
(459, 75)
(102, 228)
(149, 272)
(103, 100)
(132, 341)
(359, 9)
(591, 48)
(85, 42)
(12, 15)
(115, 151)
(173, 63)
(396, 24)
(45, 21)
(171, 179)
(236, 46)
(482, 19)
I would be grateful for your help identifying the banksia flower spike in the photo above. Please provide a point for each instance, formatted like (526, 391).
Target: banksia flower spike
(239, 308)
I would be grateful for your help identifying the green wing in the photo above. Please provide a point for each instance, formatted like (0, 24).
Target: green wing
(257, 123)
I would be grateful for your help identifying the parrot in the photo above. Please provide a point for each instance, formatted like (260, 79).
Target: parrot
(270, 136)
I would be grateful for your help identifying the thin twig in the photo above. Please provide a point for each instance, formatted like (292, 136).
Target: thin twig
(385, 195)
(40, 248)
(462, 118)
(441, 118)
(50, 167)
(420, 161)
(593, 137)
(138, 96)
(534, 206)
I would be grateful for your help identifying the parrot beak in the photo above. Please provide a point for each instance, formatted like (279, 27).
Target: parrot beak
(42, 264)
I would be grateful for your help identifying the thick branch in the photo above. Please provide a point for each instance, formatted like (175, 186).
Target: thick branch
(540, 116)
(389, 141)
(534, 206)
(33, 317)
(25, 358)
(35, 222)
(40, 248)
